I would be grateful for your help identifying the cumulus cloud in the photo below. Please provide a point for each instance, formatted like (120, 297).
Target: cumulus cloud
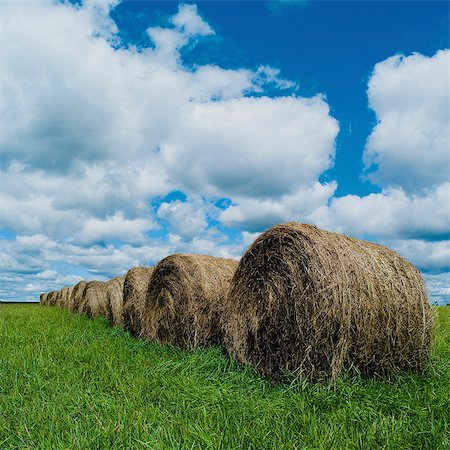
(438, 286)
(187, 219)
(409, 146)
(407, 152)
(114, 227)
(252, 146)
(392, 213)
(255, 214)
(428, 256)
(100, 130)
(93, 134)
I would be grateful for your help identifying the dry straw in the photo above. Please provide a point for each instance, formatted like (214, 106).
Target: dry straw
(51, 298)
(94, 302)
(184, 300)
(43, 298)
(114, 297)
(65, 297)
(309, 301)
(76, 297)
(59, 299)
(134, 296)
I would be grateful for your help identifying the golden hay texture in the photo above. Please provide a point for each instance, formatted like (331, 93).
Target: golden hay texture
(43, 298)
(76, 297)
(114, 297)
(134, 295)
(94, 302)
(184, 300)
(310, 301)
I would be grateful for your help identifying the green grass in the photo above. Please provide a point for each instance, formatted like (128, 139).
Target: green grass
(70, 383)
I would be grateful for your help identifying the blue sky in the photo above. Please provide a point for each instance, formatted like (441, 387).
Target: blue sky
(131, 130)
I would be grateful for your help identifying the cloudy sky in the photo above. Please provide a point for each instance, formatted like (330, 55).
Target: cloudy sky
(132, 130)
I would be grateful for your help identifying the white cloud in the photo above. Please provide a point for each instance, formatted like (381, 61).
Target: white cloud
(187, 219)
(428, 256)
(409, 146)
(257, 214)
(252, 146)
(392, 213)
(438, 286)
(93, 135)
(188, 21)
(114, 227)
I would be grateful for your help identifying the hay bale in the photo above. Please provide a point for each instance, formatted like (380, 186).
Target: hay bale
(94, 302)
(76, 297)
(51, 298)
(134, 296)
(64, 297)
(43, 298)
(311, 301)
(184, 300)
(114, 297)
(59, 299)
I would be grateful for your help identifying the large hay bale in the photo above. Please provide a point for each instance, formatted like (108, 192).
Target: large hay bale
(134, 296)
(114, 297)
(311, 301)
(184, 300)
(94, 303)
(43, 298)
(76, 297)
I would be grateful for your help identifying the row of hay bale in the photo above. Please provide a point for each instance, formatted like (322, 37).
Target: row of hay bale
(301, 300)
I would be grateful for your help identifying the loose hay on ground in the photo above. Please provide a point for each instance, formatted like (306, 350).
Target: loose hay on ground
(185, 298)
(134, 296)
(311, 301)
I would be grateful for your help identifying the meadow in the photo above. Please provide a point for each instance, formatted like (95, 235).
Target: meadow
(67, 382)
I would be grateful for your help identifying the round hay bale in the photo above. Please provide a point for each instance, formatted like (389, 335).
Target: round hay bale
(43, 298)
(309, 301)
(51, 298)
(134, 296)
(114, 296)
(59, 299)
(65, 297)
(94, 303)
(184, 300)
(76, 297)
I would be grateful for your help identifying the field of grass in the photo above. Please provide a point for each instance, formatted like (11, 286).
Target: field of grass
(67, 382)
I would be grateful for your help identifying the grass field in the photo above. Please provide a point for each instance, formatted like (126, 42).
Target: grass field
(67, 382)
